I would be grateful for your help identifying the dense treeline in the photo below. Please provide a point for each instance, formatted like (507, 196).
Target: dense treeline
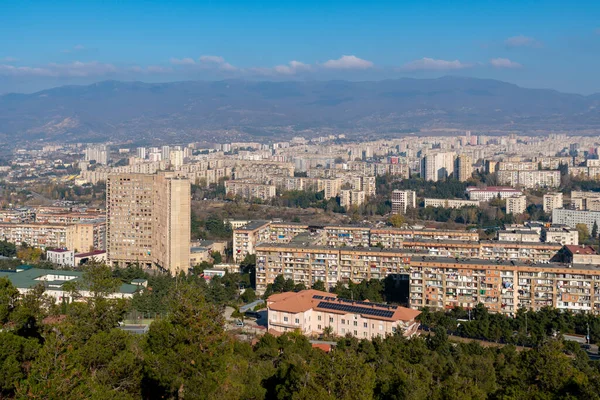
(446, 189)
(527, 328)
(77, 351)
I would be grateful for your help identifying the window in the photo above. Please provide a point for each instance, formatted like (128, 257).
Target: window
(343, 321)
(285, 319)
(319, 317)
(330, 319)
(366, 325)
(355, 323)
(318, 326)
(355, 333)
(297, 321)
(343, 331)
(365, 334)
(380, 327)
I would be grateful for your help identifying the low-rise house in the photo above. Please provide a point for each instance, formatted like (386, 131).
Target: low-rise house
(313, 312)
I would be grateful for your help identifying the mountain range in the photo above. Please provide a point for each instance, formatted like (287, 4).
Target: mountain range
(200, 110)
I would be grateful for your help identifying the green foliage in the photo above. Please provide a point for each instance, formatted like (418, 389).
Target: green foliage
(187, 354)
(248, 296)
(7, 249)
(216, 256)
(583, 231)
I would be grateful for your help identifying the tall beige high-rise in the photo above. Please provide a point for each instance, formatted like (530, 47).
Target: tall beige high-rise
(464, 167)
(148, 220)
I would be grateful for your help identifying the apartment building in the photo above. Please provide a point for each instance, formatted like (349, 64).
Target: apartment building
(246, 237)
(552, 201)
(87, 236)
(332, 187)
(529, 179)
(352, 198)
(148, 220)
(446, 248)
(491, 193)
(464, 167)
(518, 251)
(517, 166)
(249, 190)
(309, 264)
(402, 199)
(516, 205)
(336, 236)
(17, 215)
(312, 311)
(451, 203)
(437, 166)
(586, 201)
(518, 236)
(394, 238)
(503, 286)
(561, 234)
(38, 235)
(573, 217)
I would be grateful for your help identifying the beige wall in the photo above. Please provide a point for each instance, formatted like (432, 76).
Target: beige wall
(313, 322)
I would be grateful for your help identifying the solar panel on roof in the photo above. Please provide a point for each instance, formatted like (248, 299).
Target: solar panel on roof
(355, 309)
(316, 296)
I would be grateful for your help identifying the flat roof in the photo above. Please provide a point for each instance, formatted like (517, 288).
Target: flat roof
(492, 189)
(252, 225)
(504, 263)
(296, 247)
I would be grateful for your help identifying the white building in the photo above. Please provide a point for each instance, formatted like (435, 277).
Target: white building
(437, 166)
(552, 201)
(516, 205)
(402, 199)
(61, 257)
(573, 217)
(491, 192)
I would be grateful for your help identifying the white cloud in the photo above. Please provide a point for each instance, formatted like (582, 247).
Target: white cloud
(183, 61)
(9, 59)
(292, 68)
(522, 41)
(216, 61)
(431, 64)
(212, 59)
(504, 63)
(348, 62)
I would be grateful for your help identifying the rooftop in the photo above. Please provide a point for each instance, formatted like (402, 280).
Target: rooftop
(27, 277)
(91, 253)
(253, 225)
(327, 302)
(504, 263)
(492, 189)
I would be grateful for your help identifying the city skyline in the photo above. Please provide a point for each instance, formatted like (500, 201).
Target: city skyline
(553, 46)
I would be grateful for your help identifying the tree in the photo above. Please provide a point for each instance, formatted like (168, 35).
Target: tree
(584, 233)
(396, 220)
(248, 296)
(595, 230)
(216, 256)
(188, 352)
(7, 249)
(319, 285)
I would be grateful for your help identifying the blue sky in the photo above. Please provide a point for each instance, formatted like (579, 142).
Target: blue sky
(541, 44)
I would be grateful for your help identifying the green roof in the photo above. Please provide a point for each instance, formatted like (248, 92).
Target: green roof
(28, 278)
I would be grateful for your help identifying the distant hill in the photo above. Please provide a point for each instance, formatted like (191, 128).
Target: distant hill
(197, 110)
